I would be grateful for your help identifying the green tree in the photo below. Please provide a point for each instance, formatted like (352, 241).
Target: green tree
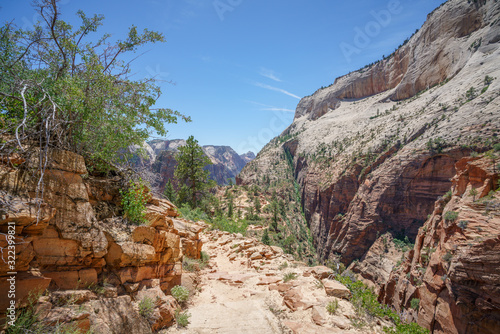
(257, 204)
(191, 174)
(230, 206)
(61, 89)
(473, 193)
(274, 212)
(265, 238)
(169, 192)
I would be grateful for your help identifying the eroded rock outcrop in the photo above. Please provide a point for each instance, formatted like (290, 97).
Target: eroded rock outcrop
(74, 238)
(453, 268)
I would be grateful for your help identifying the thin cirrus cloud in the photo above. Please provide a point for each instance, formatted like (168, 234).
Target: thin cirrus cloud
(270, 74)
(271, 108)
(276, 89)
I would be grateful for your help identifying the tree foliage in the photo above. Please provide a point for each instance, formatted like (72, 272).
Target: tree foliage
(191, 174)
(169, 192)
(61, 87)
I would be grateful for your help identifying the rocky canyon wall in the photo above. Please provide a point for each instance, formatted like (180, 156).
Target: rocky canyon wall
(373, 152)
(79, 244)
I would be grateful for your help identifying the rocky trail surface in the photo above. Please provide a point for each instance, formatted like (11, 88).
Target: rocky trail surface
(243, 290)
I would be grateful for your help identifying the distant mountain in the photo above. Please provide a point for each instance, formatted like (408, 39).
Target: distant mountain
(249, 156)
(160, 158)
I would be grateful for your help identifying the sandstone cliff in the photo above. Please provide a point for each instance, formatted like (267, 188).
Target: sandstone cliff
(79, 247)
(453, 269)
(372, 152)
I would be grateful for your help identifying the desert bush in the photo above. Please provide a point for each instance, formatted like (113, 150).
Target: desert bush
(182, 318)
(447, 257)
(283, 265)
(193, 214)
(289, 276)
(332, 306)
(180, 293)
(146, 307)
(192, 265)
(229, 225)
(451, 216)
(414, 303)
(463, 224)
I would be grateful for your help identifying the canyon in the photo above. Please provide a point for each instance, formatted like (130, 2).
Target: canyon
(371, 153)
(388, 177)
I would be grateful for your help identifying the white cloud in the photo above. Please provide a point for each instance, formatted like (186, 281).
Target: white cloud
(276, 89)
(278, 109)
(271, 108)
(270, 74)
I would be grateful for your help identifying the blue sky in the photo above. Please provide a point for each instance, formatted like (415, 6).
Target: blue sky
(241, 66)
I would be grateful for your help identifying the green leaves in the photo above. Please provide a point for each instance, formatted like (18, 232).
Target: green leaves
(134, 201)
(77, 89)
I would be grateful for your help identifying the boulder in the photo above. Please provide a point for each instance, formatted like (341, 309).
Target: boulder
(336, 289)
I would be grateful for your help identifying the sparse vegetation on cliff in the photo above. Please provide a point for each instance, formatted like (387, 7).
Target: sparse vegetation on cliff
(146, 307)
(134, 202)
(365, 301)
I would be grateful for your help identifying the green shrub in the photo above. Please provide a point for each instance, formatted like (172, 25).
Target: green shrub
(332, 306)
(463, 224)
(451, 216)
(365, 301)
(471, 94)
(229, 225)
(289, 276)
(406, 328)
(180, 293)
(146, 307)
(473, 193)
(204, 257)
(447, 257)
(436, 146)
(193, 214)
(26, 322)
(192, 265)
(182, 318)
(403, 245)
(446, 197)
(283, 265)
(414, 303)
(134, 202)
(265, 238)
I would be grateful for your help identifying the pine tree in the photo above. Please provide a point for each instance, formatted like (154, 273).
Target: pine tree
(230, 207)
(191, 174)
(265, 238)
(257, 204)
(169, 192)
(275, 212)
